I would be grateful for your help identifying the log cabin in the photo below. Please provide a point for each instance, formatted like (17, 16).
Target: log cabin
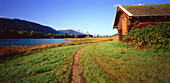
(139, 16)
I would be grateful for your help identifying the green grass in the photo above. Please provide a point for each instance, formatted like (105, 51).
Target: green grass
(100, 63)
(52, 65)
(114, 62)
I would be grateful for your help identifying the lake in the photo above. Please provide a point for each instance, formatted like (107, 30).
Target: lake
(23, 42)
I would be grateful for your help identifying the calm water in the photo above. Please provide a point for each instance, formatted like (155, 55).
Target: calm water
(23, 42)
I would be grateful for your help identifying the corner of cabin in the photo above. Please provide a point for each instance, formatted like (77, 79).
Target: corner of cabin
(121, 23)
(138, 16)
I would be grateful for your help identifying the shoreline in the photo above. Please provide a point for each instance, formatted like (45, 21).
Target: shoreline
(24, 42)
(8, 52)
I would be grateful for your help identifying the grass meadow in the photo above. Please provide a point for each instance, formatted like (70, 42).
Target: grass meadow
(102, 62)
(9, 52)
(51, 65)
(114, 62)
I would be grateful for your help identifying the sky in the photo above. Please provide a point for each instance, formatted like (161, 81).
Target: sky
(94, 16)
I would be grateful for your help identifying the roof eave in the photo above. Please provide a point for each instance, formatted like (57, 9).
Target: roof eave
(126, 11)
(115, 27)
(123, 10)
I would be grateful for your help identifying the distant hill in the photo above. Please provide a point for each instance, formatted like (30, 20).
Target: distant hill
(16, 28)
(23, 25)
(70, 32)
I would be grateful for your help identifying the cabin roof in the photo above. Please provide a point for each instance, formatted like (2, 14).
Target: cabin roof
(148, 10)
(142, 11)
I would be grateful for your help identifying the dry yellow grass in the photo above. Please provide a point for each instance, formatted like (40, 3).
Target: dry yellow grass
(16, 51)
(91, 39)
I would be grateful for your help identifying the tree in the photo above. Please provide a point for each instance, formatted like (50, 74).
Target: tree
(88, 36)
(49, 34)
(59, 35)
(76, 36)
(98, 35)
(31, 32)
(73, 35)
(20, 32)
(65, 35)
(56, 35)
(52, 35)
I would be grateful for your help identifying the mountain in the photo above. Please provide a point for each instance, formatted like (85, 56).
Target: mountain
(23, 25)
(16, 28)
(73, 31)
(70, 32)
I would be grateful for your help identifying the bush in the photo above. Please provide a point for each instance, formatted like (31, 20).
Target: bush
(156, 37)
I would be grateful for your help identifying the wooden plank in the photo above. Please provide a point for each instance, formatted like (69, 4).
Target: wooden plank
(124, 26)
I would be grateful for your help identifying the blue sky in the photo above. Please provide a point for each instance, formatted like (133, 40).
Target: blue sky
(94, 16)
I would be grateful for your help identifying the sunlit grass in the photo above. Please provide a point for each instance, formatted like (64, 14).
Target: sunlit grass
(114, 62)
(91, 39)
(9, 52)
(52, 65)
(100, 62)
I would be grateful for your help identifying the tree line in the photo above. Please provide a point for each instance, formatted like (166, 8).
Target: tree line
(33, 34)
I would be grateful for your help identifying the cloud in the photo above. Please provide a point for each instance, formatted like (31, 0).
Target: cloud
(115, 5)
(74, 29)
(141, 4)
(70, 29)
(87, 32)
(0, 16)
(79, 30)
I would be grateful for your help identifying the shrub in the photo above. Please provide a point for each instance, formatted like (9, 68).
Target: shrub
(150, 36)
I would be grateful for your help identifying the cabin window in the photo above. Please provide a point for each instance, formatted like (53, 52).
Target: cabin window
(124, 26)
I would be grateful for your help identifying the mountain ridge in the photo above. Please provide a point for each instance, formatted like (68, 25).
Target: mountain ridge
(7, 24)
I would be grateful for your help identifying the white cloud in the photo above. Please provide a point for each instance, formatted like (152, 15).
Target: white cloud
(79, 30)
(141, 4)
(87, 32)
(115, 5)
(70, 29)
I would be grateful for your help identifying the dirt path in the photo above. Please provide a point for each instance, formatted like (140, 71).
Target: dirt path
(77, 76)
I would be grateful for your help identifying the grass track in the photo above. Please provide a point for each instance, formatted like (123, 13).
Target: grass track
(52, 65)
(114, 62)
(101, 63)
